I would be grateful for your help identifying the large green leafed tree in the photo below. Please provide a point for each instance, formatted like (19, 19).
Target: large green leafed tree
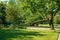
(30, 11)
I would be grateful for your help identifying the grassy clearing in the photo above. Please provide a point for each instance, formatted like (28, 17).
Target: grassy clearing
(13, 34)
(47, 25)
(44, 25)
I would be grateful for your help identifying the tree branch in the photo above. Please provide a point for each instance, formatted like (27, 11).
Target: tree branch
(56, 12)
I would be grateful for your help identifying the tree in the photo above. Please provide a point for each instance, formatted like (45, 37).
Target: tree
(13, 11)
(2, 13)
(33, 9)
(47, 9)
(27, 11)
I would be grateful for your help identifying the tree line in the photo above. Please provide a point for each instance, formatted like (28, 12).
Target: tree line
(25, 12)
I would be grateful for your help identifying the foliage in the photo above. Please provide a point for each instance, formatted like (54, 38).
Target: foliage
(2, 13)
(57, 19)
(22, 12)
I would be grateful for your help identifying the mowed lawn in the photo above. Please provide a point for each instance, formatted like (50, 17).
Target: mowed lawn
(25, 34)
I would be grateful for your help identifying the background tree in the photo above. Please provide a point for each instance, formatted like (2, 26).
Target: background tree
(22, 12)
(31, 10)
(2, 13)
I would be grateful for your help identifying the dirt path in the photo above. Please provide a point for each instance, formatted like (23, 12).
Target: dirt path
(59, 37)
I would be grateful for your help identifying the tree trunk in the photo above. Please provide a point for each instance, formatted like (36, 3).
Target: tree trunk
(51, 23)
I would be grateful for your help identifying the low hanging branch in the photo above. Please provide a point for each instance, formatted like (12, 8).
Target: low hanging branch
(37, 21)
(56, 11)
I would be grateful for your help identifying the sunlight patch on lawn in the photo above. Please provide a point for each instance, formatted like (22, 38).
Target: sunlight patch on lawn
(12, 34)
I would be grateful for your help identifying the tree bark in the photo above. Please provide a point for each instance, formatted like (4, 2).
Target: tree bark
(51, 23)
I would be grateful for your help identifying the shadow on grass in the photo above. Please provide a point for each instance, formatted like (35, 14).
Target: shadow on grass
(6, 34)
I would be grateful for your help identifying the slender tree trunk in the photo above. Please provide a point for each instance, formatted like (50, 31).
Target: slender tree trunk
(51, 23)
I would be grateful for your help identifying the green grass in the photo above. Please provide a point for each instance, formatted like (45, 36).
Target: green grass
(47, 25)
(43, 25)
(13, 34)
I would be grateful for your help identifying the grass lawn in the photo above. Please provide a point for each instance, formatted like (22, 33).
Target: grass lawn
(47, 25)
(25, 34)
(43, 25)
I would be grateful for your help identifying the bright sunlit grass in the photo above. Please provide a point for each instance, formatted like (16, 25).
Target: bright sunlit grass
(12, 34)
